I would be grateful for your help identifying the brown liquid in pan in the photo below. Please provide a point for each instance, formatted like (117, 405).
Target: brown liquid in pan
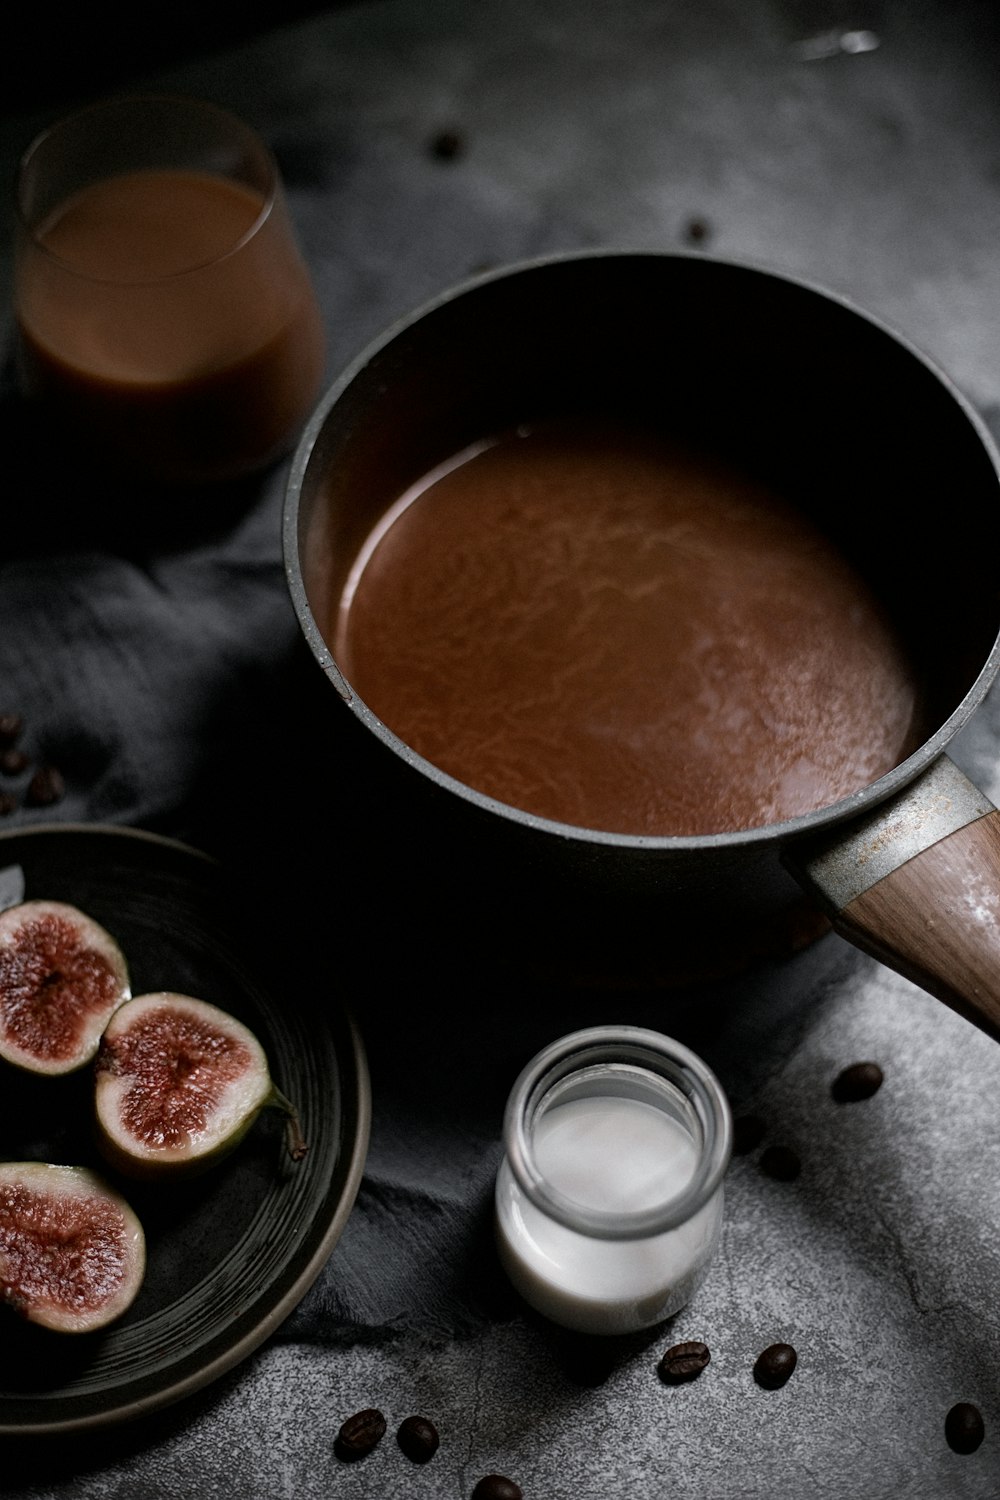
(606, 629)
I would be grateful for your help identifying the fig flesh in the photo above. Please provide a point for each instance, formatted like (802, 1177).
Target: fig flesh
(72, 1251)
(62, 977)
(179, 1082)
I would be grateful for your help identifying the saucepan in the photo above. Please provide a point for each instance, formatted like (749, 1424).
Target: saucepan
(880, 451)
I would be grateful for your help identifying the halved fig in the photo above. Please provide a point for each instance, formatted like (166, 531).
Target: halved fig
(72, 1252)
(179, 1083)
(62, 977)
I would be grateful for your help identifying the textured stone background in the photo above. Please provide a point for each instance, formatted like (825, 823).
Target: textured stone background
(874, 171)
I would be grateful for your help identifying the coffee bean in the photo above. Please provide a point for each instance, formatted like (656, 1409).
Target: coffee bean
(963, 1428)
(360, 1433)
(446, 145)
(497, 1487)
(13, 762)
(418, 1439)
(8, 804)
(683, 1362)
(45, 787)
(11, 726)
(748, 1132)
(859, 1081)
(781, 1163)
(774, 1365)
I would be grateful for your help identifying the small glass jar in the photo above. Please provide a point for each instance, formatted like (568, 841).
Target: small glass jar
(609, 1198)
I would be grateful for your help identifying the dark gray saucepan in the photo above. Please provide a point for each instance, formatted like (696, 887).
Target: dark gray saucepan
(895, 465)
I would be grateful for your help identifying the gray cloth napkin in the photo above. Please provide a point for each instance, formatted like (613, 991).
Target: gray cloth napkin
(152, 650)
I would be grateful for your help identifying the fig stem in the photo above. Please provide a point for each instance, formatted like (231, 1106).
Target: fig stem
(295, 1140)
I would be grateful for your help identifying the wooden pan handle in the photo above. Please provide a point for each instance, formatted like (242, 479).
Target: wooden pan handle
(916, 883)
(936, 920)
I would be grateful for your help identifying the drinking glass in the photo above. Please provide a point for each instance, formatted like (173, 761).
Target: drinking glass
(167, 327)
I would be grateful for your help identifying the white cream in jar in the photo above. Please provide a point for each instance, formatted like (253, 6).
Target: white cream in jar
(609, 1199)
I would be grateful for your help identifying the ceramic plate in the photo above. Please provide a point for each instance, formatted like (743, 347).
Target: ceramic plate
(229, 1253)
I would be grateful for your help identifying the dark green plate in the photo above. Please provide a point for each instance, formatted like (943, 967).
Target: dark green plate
(229, 1253)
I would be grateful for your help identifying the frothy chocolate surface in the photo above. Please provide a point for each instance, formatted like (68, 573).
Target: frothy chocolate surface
(609, 630)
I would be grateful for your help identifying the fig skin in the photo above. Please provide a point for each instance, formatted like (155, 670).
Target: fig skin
(62, 977)
(178, 1084)
(53, 1203)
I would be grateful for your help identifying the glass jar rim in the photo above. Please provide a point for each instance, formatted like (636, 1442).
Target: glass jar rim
(110, 105)
(669, 1060)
